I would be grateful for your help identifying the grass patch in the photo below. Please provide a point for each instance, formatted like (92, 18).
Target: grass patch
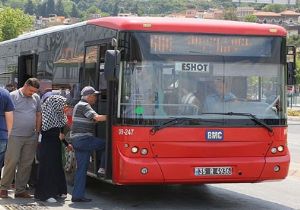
(292, 112)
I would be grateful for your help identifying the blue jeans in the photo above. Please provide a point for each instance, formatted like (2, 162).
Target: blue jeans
(83, 147)
(3, 145)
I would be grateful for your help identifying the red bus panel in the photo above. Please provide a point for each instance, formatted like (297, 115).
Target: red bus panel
(187, 25)
(174, 155)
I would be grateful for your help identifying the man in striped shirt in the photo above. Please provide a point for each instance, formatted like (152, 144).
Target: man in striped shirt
(83, 139)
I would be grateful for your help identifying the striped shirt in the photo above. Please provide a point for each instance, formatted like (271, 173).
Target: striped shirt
(83, 122)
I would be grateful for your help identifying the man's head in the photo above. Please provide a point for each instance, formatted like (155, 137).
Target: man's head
(30, 87)
(222, 85)
(89, 94)
(10, 87)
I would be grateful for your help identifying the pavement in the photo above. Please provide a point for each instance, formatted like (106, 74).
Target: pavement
(12, 203)
(294, 118)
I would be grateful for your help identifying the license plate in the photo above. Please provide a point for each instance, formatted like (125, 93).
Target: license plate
(209, 171)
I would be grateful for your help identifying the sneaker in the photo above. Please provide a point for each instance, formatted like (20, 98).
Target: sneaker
(51, 200)
(101, 171)
(23, 195)
(62, 196)
(3, 194)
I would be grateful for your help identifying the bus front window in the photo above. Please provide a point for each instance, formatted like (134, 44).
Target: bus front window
(168, 82)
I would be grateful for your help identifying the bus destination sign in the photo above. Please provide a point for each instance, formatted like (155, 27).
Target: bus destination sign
(210, 45)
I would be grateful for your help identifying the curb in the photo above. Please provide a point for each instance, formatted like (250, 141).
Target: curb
(294, 118)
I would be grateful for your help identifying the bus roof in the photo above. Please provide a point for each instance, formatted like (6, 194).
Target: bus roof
(44, 31)
(167, 24)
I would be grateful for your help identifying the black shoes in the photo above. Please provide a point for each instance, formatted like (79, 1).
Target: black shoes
(81, 200)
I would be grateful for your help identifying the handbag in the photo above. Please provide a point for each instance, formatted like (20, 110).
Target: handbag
(70, 165)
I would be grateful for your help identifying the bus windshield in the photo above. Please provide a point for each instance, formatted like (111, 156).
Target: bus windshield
(165, 76)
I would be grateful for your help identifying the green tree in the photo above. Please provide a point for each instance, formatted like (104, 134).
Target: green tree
(16, 3)
(298, 70)
(30, 7)
(294, 40)
(42, 9)
(75, 12)
(136, 9)
(274, 8)
(92, 10)
(116, 8)
(224, 3)
(76, 1)
(68, 4)
(59, 8)
(13, 22)
(250, 18)
(230, 14)
(50, 7)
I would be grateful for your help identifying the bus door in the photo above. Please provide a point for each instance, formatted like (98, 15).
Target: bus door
(27, 68)
(93, 74)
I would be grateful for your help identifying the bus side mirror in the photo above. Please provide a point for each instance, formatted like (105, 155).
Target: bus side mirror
(112, 64)
(291, 73)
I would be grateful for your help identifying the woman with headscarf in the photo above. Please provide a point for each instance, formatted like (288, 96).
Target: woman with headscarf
(51, 183)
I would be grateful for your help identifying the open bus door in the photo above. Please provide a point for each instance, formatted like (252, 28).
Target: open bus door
(92, 74)
(27, 68)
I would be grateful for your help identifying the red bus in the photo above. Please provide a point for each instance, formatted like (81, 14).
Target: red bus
(188, 100)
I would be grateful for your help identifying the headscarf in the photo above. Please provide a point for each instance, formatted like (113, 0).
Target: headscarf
(53, 115)
(45, 96)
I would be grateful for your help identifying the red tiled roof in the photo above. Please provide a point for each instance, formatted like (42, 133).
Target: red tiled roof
(290, 13)
(266, 14)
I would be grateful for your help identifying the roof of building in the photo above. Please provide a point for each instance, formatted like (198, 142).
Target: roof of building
(266, 14)
(290, 13)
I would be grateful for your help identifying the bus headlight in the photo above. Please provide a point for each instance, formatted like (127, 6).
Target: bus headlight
(280, 148)
(134, 149)
(144, 151)
(274, 150)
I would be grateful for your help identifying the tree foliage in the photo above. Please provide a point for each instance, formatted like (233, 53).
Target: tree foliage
(59, 8)
(250, 18)
(230, 14)
(50, 7)
(13, 22)
(140, 7)
(294, 40)
(29, 7)
(274, 8)
(75, 11)
(298, 70)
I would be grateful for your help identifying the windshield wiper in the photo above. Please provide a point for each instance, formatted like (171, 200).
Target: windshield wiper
(173, 121)
(179, 120)
(251, 116)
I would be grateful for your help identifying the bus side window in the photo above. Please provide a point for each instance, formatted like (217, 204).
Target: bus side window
(74, 95)
(102, 80)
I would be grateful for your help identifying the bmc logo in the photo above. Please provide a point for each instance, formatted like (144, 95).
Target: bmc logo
(214, 135)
